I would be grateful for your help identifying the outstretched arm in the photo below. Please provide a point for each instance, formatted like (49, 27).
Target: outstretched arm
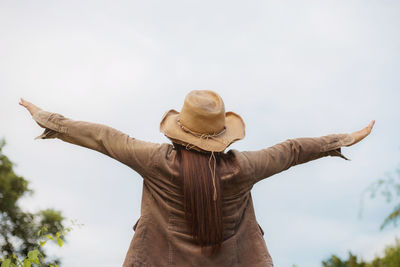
(133, 152)
(267, 162)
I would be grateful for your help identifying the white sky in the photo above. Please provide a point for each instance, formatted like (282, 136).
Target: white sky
(289, 68)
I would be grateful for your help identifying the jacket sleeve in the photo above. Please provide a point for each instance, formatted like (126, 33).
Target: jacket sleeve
(267, 162)
(135, 153)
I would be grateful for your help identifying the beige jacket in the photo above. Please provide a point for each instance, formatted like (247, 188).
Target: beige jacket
(161, 237)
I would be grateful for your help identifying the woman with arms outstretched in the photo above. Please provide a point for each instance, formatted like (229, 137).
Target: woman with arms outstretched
(196, 207)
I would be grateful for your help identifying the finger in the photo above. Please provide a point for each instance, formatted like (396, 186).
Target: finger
(25, 103)
(371, 125)
(22, 103)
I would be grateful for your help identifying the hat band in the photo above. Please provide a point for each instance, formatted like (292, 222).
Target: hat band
(200, 135)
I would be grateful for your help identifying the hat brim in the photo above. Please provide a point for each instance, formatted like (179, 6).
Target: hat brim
(234, 130)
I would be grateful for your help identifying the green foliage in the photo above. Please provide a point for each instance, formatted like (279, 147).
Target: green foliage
(335, 261)
(35, 257)
(389, 188)
(18, 228)
(391, 258)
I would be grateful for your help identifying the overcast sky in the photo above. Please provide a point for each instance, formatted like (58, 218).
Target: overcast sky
(289, 68)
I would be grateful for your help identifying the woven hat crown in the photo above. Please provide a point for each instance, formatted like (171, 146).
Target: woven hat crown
(203, 112)
(203, 123)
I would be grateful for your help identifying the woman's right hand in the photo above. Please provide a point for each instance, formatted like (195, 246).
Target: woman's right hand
(29, 106)
(361, 134)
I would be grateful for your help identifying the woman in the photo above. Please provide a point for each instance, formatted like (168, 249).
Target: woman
(196, 208)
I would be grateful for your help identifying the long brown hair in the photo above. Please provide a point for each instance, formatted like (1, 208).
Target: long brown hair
(202, 196)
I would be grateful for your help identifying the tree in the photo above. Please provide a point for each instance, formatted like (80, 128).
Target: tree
(391, 258)
(335, 261)
(389, 188)
(19, 229)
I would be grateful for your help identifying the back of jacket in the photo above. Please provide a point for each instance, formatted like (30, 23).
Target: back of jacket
(162, 237)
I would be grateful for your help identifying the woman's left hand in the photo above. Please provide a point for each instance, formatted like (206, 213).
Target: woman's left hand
(361, 134)
(29, 106)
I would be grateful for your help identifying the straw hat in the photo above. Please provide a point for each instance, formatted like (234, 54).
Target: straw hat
(203, 123)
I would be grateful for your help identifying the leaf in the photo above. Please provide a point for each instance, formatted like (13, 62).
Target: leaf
(42, 243)
(33, 256)
(27, 263)
(392, 217)
(41, 257)
(59, 242)
(6, 263)
(49, 237)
